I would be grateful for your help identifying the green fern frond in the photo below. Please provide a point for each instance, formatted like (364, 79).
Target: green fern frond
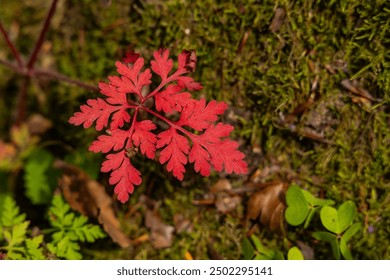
(69, 229)
(10, 213)
(38, 176)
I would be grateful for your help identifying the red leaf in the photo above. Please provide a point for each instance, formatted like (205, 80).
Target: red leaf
(201, 159)
(187, 61)
(143, 138)
(95, 110)
(114, 97)
(175, 152)
(212, 148)
(198, 115)
(188, 83)
(113, 162)
(122, 84)
(132, 73)
(171, 99)
(105, 143)
(124, 175)
(162, 64)
(131, 57)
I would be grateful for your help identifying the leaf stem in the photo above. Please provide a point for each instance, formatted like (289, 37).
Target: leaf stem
(12, 47)
(42, 35)
(163, 83)
(172, 124)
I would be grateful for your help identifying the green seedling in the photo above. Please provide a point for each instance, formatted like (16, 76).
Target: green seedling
(339, 223)
(301, 206)
(253, 249)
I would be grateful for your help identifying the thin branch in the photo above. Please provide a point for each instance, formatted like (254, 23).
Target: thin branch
(60, 77)
(11, 65)
(11, 46)
(22, 97)
(42, 35)
(48, 74)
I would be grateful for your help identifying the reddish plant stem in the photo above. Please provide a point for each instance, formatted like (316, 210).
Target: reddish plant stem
(42, 35)
(11, 46)
(22, 97)
(162, 84)
(58, 76)
(48, 74)
(172, 124)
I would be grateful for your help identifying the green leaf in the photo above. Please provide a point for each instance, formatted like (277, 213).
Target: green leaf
(258, 245)
(330, 238)
(314, 201)
(295, 254)
(17, 234)
(339, 220)
(37, 176)
(346, 213)
(345, 250)
(10, 213)
(34, 251)
(69, 230)
(247, 249)
(65, 249)
(297, 206)
(351, 231)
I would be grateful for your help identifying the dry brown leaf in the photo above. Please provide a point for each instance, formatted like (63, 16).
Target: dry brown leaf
(161, 234)
(37, 124)
(226, 203)
(222, 196)
(182, 224)
(89, 198)
(267, 205)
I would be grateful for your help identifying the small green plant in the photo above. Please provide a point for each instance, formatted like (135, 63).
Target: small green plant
(17, 242)
(39, 176)
(340, 224)
(301, 207)
(253, 249)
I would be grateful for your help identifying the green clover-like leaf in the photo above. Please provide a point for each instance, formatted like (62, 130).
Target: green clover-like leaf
(337, 221)
(295, 254)
(297, 206)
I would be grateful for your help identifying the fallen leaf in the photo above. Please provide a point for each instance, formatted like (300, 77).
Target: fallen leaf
(226, 203)
(89, 198)
(37, 124)
(160, 233)
(221, 185)
(182, 224)
(267, 205)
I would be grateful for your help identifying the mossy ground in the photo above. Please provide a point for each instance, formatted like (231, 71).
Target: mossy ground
(280, 65)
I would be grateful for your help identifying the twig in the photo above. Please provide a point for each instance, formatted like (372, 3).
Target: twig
(11, 46)
(42, 35)
(58, 76)
(49, 74)
(22, 96)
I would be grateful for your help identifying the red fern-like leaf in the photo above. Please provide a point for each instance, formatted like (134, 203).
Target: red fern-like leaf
(194, 138)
